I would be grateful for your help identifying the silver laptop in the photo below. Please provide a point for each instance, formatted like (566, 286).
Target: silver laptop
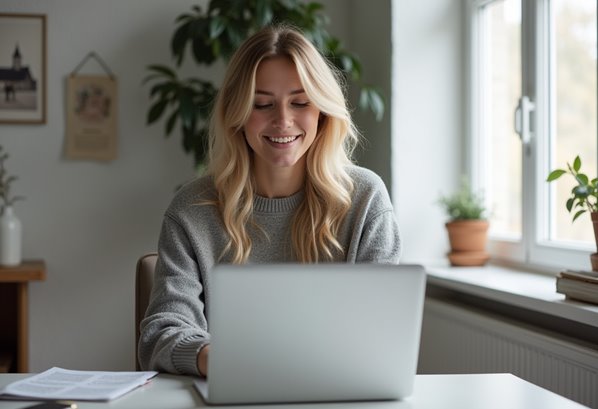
(313, 333)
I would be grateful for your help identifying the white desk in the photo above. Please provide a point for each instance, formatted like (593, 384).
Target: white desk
(487, 391)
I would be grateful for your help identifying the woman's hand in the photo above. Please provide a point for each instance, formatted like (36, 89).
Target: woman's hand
(202, 360)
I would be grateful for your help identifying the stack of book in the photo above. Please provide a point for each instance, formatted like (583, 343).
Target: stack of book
(578, 285)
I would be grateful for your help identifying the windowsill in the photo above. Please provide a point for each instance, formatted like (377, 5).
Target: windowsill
(526, 290)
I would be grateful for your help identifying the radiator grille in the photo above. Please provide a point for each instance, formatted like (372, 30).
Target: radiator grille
(457, 340)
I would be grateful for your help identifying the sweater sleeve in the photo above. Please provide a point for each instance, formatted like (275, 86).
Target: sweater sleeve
(374, 231)
(175, 325)
(380, 239)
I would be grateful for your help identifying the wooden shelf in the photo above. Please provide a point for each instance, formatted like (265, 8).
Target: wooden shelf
(14, 313)
(28, 270)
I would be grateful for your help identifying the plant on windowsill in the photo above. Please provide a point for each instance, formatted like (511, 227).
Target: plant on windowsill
(584, 198)
(212, 34)
(467, 226)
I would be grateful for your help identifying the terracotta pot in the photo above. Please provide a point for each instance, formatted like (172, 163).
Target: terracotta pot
(468, 258)
(594, 256)
(468, 242)
(468, 235)
(595, 224)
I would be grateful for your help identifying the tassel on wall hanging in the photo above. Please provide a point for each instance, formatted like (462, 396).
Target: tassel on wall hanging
(91, 104)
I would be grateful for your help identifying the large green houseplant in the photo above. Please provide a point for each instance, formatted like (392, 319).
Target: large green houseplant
(583, 198)
(467, 226)
(213, 34)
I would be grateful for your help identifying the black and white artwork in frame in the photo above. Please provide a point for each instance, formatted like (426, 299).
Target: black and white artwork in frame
(22, 68)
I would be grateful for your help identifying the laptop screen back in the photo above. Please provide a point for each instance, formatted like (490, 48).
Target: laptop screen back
(325, 332)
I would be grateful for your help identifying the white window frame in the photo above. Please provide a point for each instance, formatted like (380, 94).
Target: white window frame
(533, 250)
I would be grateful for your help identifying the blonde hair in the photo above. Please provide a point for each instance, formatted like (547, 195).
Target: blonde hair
(328, 187)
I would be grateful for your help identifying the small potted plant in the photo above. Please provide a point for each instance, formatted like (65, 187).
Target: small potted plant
(10, 225)
(584, 198)
(467, 226)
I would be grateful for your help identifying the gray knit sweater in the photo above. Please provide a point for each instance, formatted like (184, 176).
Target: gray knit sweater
(193, 238)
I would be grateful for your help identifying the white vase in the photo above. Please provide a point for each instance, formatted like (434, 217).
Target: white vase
(10, 238)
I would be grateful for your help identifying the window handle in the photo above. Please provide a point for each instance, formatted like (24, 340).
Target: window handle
(523, 122)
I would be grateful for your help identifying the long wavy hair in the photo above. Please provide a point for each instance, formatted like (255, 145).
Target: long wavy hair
(328, 187)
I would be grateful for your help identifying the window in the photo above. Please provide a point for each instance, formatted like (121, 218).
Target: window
(533, 108)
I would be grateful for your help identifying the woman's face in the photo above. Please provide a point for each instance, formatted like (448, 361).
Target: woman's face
(283, 122)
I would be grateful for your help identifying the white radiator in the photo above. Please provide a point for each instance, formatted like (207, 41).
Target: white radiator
(458, 340)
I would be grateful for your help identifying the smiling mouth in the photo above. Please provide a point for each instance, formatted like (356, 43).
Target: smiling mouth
(283, 139)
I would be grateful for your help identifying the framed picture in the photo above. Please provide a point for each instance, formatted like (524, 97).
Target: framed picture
(22, 68)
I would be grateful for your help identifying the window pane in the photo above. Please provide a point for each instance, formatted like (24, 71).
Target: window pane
(575, 107)
(503, 188)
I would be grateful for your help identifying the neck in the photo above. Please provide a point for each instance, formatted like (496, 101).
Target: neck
(279, 182)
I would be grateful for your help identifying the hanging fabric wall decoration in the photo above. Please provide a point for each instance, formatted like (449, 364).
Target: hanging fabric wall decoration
(91, 104)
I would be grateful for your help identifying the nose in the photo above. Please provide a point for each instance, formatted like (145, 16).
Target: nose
(282, 118)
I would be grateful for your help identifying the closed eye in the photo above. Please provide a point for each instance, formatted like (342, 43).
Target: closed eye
(300, 104)
(262, 106)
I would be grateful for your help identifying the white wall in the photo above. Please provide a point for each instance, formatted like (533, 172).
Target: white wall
(427, 120)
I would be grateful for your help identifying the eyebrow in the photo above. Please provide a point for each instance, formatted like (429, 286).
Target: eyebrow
(294, 92)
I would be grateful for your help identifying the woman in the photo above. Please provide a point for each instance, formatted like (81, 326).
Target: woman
(279, 187)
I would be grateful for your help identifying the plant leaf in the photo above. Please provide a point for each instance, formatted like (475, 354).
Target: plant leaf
(577, 163)
(581, 191)
(171, 122)
(578, 214)
(150, 78)
(570, 204)
(582, 179)
(162, 69)
(371, 99)
(201, 41)
(356, 68)
(464, 204)
(163, 88)
(289, 4)
(263, 13)
(217, 26)
(555, 174)
(179, 41)
(186, 108)
(236, 35)
(156, 111)
(346, 63)
(183, 17)
(188, 139)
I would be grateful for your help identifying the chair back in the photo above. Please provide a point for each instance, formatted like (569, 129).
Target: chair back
(144, 280)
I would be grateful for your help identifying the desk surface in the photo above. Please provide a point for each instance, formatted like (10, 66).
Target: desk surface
(486, 391)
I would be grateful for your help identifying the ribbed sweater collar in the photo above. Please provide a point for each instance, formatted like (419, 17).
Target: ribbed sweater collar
(279, 205)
